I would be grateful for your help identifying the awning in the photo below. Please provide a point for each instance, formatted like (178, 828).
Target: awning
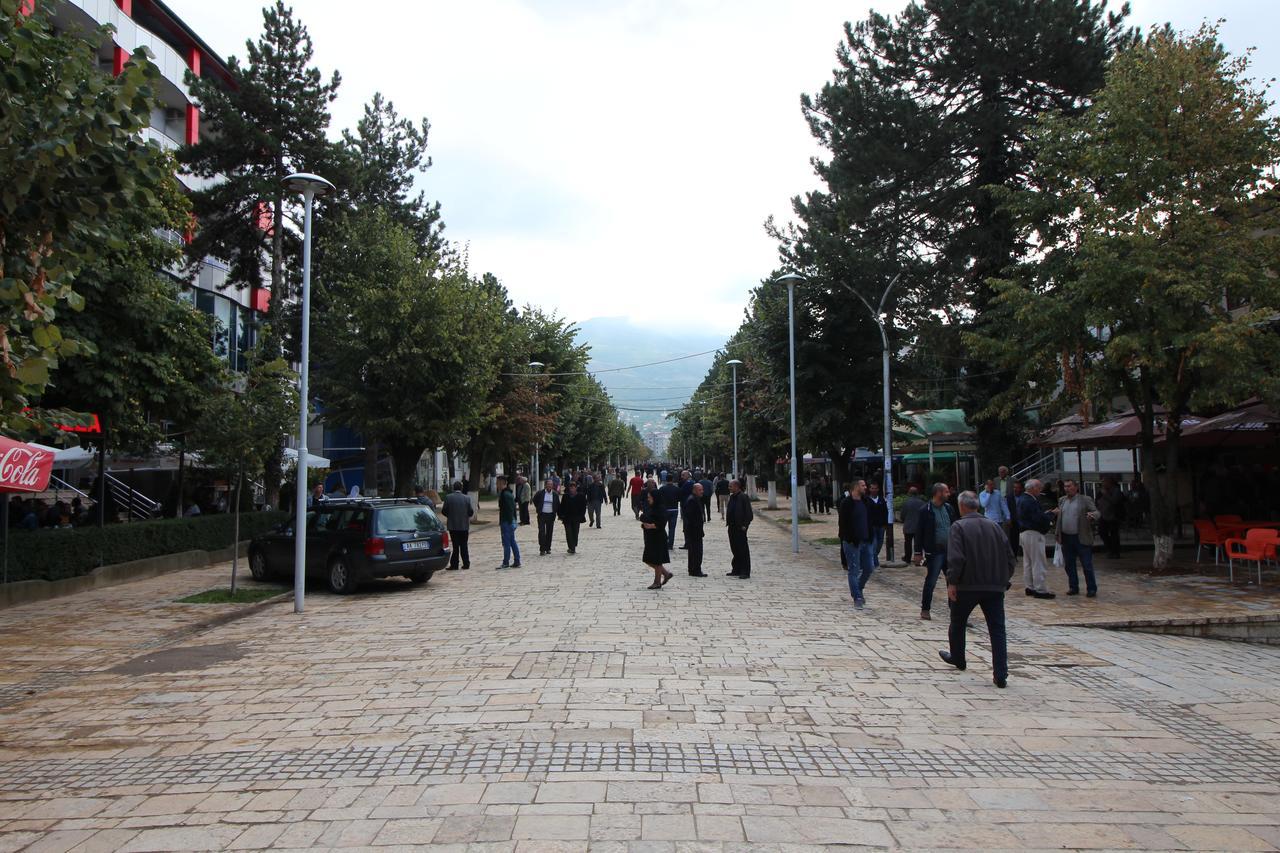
(1122, 432)
(24, 467)
(69, 457)
(313, 461)
(1252, 424)
(938, 456)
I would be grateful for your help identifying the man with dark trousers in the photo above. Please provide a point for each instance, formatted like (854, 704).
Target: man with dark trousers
(669, 496)
(546, 502)
(573, 513)
(457, 520)
(737, 518)
(617, 486)
(855, 534)
(933, 533)
(707, 487)
(693, 522)
(980, 567)
(595, 501)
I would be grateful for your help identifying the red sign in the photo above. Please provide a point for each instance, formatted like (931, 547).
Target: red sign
(23, 468)
(94, 426)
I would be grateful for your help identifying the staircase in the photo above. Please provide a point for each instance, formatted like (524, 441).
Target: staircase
(135, 502)
(1040, 465)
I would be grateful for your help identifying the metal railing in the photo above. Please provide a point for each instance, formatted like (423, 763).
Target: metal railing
(137, 504)
(1037, 466)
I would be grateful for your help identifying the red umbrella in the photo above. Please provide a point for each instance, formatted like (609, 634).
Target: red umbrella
(23, 467)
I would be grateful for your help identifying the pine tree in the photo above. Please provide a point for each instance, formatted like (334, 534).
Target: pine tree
(271, 123)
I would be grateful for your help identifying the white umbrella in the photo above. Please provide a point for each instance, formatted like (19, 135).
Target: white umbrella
(69, 457)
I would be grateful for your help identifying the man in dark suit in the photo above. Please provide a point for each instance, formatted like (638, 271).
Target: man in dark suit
(737, 518)
(573, 513)
(1015, 530)
(707, 487)
(693, 522)
(547, 503)
(669, 495)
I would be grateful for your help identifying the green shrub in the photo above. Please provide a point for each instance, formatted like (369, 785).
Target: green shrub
(57, 554)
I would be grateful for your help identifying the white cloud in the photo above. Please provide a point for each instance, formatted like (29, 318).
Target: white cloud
(614, 158)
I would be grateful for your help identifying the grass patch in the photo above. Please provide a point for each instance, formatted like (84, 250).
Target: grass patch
(243, 595)
(806, 521)
(829, 540)
(484, 499)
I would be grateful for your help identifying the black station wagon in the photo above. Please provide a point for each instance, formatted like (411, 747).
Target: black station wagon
(349, 541)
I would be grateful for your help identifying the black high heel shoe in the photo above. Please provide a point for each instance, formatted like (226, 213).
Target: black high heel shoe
(666, 576)
(654, 586)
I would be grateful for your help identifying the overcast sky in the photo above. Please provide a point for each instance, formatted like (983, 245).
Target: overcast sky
(616, 158)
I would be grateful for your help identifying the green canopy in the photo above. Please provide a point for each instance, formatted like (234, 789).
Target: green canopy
(938, 456)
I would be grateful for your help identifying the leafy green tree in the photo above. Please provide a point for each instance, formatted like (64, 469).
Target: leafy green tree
(72, 164)
(151, 359)
(925, 120)
(1156, 217)
(242, 425)
(409, 348)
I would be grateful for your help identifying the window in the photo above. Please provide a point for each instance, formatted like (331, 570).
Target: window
(407, 519)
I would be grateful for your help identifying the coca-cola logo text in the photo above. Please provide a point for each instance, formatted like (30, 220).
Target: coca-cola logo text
(20, 466)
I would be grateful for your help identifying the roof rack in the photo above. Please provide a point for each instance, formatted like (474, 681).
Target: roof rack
(363, 500)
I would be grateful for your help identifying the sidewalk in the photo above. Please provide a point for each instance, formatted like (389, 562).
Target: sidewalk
(1127, 588)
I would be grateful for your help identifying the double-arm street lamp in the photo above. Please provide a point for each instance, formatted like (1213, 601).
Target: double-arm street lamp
(311, 187)
(879, 316)
(733, 363)
(790, 279)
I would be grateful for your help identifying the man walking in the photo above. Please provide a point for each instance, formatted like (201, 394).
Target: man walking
(1076, 512)
(911, 509)
(524, 491)
(1111, 508)
(616, 487)
(457, 520)
(855, 536)
(933, 529)
(507, 524)
(980, 567)
(738, 517)
(573, 512)
(707, 486)
(595, 501)
(693, 530)
(669, 495)
(1034, 523)
(635, 488)
(547, 503)
(722, 493)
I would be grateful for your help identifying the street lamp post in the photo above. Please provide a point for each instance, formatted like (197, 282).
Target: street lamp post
(878, 315)
(733, 363)
(311, 187)
(791, 279)
(536, 473)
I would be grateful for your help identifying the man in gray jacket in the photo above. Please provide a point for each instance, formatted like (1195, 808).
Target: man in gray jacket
(457, 520)
(979, 570)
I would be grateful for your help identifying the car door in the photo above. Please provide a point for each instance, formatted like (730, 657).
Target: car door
(318, 539)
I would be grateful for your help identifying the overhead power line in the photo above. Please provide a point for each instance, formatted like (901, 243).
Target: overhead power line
(617, 369)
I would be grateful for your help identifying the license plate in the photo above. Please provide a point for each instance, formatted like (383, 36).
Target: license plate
(421, 545)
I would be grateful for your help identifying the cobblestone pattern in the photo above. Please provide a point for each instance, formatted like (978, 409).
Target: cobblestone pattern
(458, 759)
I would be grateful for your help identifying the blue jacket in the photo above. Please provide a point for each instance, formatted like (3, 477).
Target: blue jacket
(1031, 516)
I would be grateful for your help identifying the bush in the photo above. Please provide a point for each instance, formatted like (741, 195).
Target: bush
(57, 554)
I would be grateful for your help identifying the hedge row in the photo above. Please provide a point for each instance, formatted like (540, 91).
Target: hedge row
(53, 554)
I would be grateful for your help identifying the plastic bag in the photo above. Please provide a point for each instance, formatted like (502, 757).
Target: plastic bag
(1057, 556)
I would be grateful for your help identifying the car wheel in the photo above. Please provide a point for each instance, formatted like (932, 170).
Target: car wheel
(342, 579)
(258, 566)
(420, 577)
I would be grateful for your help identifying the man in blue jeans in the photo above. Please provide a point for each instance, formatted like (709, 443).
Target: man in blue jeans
(1076, 514)
(507, 524)
(933, 528)
(855, 540)
(877, 519)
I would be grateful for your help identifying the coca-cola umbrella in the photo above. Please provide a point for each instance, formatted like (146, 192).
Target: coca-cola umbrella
(23, 468)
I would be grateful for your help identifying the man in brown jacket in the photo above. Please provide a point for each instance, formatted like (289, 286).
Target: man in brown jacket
(979, 569)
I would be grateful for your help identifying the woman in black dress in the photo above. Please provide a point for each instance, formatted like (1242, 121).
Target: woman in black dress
(653, 522)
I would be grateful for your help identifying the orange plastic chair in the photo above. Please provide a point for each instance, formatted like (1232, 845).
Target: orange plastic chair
(1252, 548)
(1227, 519)
(1207, 533)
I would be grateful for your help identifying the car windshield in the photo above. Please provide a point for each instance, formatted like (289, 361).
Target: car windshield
(407, 519)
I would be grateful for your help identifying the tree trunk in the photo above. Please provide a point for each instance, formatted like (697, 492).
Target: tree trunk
(1163, 495)
(270, 479)
(370, 488)
(405, 462)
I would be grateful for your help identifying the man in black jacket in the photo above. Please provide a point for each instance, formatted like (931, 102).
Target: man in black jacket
(979, 570)
(933, 527)
(877, 520)
(595, 501)
(547, 504)
(573, 512)
(669, 497)
(693, 522)
(855, 539)
(737, 518)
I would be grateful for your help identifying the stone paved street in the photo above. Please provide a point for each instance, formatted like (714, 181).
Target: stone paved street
(562, 705)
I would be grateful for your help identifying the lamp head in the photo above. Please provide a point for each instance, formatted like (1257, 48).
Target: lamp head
(301, 182)
(734, 361)
(537, 364)
(789, 278)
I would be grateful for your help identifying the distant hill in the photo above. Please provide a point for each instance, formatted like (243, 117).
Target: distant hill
(617, 342)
